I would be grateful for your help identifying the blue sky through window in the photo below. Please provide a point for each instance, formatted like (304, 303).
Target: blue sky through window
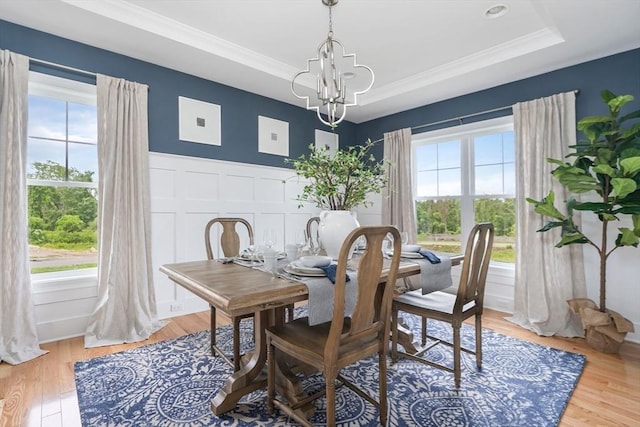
(58, 129)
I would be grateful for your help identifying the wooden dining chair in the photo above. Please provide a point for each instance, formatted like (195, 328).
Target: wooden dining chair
(333, 345)
(309, 230)
(230, 247)
(453, 309)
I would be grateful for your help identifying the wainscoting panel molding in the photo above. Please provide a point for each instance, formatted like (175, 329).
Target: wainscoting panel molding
(187, 192)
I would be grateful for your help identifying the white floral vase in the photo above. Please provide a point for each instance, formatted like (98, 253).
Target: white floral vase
(334, 228)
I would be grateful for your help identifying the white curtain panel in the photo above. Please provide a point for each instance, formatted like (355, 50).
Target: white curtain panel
(398, 205)
(19, 340)
(126, 307)
(546, 276)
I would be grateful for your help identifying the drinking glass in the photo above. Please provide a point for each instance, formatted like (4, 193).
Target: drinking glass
(404, 237)
(269, 238)
(252, 253)
(300, 240)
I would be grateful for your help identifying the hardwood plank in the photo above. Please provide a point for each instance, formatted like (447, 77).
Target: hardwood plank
(42, 391)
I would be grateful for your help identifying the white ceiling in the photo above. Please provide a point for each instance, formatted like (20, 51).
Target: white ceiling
(422, 51)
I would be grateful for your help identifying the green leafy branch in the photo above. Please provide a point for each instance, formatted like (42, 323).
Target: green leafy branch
(340, 181)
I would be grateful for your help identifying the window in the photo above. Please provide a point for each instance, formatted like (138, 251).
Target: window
(463, 175)
(62, 174)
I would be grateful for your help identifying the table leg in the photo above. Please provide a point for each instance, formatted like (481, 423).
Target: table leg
(252, 374)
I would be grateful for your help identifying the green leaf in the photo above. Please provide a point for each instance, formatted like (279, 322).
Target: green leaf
(633, 115)
(592, 206)
(605, 155)
(630, 165)
(623, 186)
(557, 162)
(627, 238)
(546, 207)
(605, 169)
(628, 210)
(607, 95)
(551, 224)
(589, 121)
(570, 239)
(636, 224)
(632, 131)
(618, 102)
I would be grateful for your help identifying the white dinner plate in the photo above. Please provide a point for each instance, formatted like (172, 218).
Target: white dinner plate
(300, 270)
(413, 255)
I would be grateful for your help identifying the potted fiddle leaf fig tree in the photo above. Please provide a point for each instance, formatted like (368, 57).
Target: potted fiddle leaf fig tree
(606, 173)
(337, 183)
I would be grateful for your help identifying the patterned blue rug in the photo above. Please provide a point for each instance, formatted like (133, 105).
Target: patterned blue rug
(172, 383)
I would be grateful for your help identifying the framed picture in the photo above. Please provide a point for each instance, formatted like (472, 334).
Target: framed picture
(327, 140)
(199, 121)
(273, 136)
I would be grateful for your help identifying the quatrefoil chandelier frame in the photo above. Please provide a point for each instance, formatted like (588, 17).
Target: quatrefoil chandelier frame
(332, 69)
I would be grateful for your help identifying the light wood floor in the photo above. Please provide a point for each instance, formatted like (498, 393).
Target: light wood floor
(42, 392)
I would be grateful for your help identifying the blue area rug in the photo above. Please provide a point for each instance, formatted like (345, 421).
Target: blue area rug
(173, 382)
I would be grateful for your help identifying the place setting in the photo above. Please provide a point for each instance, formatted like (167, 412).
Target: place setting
(411, 251)
(309, 266)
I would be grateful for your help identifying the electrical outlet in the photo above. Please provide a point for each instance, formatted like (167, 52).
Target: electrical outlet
(176, 306)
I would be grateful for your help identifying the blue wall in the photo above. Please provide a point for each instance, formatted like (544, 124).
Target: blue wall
(239, 109)
(619, 73)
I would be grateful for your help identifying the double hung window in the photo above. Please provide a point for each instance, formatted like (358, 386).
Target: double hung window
(62, 172)
(464, 175)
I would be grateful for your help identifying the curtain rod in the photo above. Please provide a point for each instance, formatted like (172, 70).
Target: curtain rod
(62, 67)
(461, 118)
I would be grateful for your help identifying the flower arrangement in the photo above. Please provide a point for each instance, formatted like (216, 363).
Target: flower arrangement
(340, 181)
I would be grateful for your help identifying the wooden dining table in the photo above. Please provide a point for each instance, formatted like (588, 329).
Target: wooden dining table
(236, 290)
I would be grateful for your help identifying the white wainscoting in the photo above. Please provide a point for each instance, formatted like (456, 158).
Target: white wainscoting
(185, 193)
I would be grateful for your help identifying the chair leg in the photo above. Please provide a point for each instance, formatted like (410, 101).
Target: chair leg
(394, 335)
(382, 368)
(330, 378)
(213, 330)
(456, 355)
(479, 341)
(271, 380)
(253, 319)
(424, 331)
(236, 344)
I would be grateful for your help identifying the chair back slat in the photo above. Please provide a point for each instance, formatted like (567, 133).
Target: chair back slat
(475, 266)
(372, 309)
(309, 227)
(229, 238)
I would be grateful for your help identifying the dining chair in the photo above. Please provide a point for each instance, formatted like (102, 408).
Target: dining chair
(450, 308)
(230, 247)
(345, 339)
(309, 230)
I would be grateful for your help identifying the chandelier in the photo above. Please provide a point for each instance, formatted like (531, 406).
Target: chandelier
(338, 79)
